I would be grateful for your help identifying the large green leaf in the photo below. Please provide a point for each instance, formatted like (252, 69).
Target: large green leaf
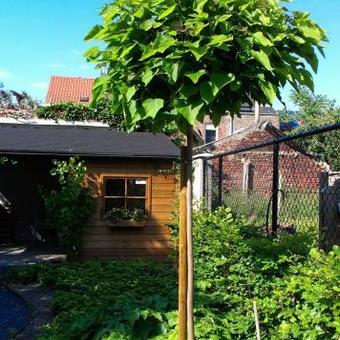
(99, 87)
(269, 90)
(219, 80)
(312, 32)
(160, 45)
(152, 106)
(93, 33)
(190, 111)
(260, 38)
(262, 58)
(206, 91)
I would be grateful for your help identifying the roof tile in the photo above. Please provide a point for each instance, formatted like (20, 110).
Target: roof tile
(69, 89)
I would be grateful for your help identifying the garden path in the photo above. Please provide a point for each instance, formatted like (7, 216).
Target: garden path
(24, 308)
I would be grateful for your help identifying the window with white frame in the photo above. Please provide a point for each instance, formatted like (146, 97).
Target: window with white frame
(210, 133)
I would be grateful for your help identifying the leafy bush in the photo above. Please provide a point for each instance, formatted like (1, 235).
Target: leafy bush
(101, 300)
(70, 207)
(78, 112)
(295, 289)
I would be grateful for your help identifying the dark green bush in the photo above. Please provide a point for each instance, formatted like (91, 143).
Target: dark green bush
(70, 207)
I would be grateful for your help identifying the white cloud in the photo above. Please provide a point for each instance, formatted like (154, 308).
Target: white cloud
(5, 74)
(40, 85)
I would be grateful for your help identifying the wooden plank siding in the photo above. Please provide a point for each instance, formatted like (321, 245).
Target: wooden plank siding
(153, 239)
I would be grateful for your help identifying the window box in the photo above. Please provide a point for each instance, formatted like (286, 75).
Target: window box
(127, 223)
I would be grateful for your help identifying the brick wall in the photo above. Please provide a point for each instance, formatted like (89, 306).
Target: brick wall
(239, 123)
(298, 170)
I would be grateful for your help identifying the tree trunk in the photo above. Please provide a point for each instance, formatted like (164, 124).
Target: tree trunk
(186, 264)
(190, 260)
(182, 262)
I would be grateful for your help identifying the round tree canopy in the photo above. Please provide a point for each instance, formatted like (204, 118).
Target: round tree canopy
(177, 60)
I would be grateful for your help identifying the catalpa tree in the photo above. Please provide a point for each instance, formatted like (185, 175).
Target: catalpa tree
(178, 60)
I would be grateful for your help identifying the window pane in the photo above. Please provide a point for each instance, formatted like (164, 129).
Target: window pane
(136, 204)
(136, 187)
(114, 203)
(210, 136)
(115, 187)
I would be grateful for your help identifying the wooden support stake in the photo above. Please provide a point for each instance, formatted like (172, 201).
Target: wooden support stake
(257, 321)
(183, 264)
(190, 263)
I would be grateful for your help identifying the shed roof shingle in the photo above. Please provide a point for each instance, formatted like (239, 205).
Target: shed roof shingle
(83, 141)
(69, 89)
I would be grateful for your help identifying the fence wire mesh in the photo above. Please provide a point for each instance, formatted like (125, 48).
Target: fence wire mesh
(277, 183)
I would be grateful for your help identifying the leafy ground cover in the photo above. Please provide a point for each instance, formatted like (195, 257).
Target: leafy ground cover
(295, 288)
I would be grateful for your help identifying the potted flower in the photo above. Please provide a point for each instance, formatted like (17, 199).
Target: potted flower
(123, 217)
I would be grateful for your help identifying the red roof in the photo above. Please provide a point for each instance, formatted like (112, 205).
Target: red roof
(69, 89)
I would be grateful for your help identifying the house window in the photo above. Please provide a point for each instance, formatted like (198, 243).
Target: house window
(210, 133)
(130, 193)
(84, 99)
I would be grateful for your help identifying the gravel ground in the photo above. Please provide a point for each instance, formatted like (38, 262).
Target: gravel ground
(18, 302)
(14, 313)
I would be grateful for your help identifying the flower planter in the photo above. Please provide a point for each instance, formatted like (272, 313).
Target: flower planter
(126, 223)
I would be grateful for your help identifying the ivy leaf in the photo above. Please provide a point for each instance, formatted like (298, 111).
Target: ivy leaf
(199, 5)
(167, 12)
(218, 40)
(262, 58)
(188, 90)
(195, 76)
(147, 76)
(196, 50)
(172, 71)
(152, 106)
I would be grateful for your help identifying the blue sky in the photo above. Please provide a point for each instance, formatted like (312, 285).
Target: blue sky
(41, 38)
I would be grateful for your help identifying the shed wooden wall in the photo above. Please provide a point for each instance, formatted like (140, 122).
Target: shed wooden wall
(102, 240)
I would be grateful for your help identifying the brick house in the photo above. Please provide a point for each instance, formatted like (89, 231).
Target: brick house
(69, 89)
(252, 170)
(228, 126)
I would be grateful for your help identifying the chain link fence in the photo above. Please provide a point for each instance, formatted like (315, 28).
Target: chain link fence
(276, 183)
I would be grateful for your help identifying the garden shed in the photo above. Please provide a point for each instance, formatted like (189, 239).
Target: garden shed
(135, 170)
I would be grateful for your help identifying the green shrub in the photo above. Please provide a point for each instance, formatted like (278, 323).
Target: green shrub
(295, 289)
(70, 207)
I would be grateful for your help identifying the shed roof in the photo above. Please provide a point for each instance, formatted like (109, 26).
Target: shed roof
(69, 89)
(18, 139)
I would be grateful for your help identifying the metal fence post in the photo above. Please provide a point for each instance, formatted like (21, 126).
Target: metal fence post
(220, 179)
(275, 188)
(204, 175)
